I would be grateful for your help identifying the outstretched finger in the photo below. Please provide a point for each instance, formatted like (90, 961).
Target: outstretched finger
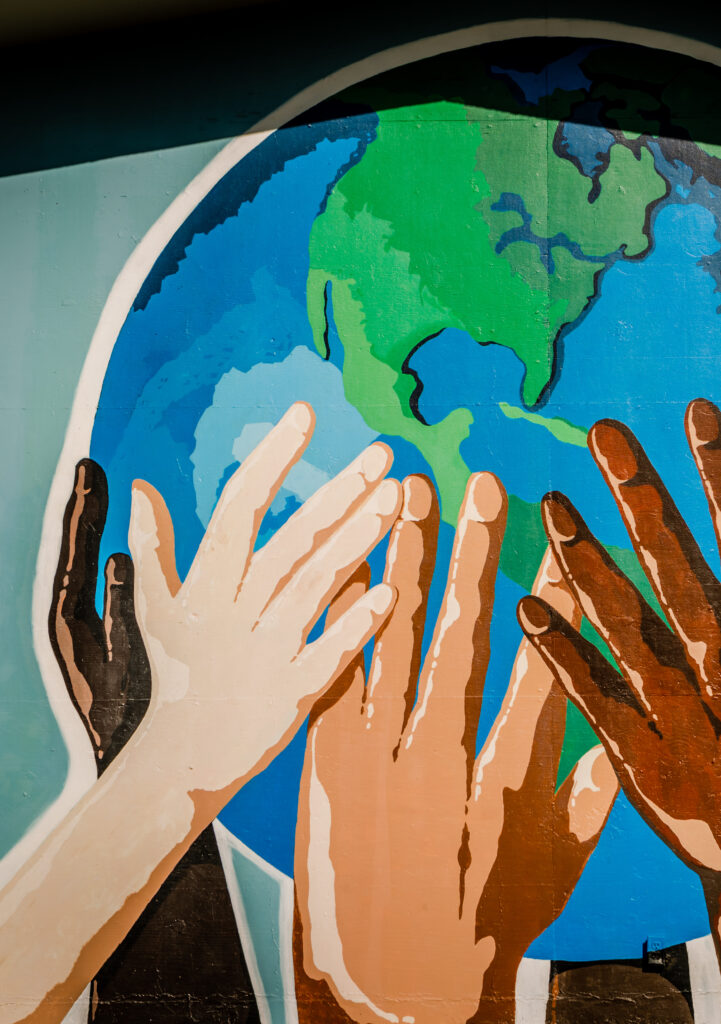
(323, 661)
(451, 686)
(349, 687)
(222, 559)
(687, 590)
(524, 745)
(644, 756)
(601, 694)
(649, 655)
(584, 800)
(306, 596)
(152, 545)
(581, 809)
(127, 683)
(118, 608)
(77, 570)
(398, 647)
(312, 524)
(703, 429)
(74, 627)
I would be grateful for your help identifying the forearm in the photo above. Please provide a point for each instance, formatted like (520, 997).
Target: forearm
(315, 1001)
(183, 955)
(183, 947)
(79, 895)
(498, 995)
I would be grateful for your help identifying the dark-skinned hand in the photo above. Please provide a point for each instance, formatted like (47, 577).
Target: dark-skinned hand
(659, 715)
(183, 959)
(103, 661)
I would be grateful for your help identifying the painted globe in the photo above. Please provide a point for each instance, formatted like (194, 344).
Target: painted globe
(473, 257)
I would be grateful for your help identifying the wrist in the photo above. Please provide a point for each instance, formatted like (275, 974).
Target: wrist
(497, 1004)
(711, 884)
(314, 999)
(164, 755)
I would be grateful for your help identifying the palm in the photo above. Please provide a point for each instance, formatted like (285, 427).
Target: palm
(396, 828)
(393, 805)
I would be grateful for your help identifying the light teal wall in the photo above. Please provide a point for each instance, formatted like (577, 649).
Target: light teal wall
(64, 236)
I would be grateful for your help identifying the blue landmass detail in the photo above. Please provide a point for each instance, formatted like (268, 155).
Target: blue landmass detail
(690, 188)
(226, 270)
(241, 183)
(511, 202)
(586, 148)
(564, 73)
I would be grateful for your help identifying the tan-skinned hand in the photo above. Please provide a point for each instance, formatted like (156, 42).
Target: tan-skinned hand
(423, 873)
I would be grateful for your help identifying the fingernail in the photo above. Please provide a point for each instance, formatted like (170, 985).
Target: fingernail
(417, 499)
(485, 498)
(560, 523)
(386, 497)
(85, 474)
(141, 512)
(381, 598)
(118, 570)
(533, 616)
(602, 773)
(704, 421)
(610, 446)
(375, 462)
(300, 415)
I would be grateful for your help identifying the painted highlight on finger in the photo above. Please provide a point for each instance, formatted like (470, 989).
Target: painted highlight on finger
(386, 498)
(595, 787)
(534, 617)
(380, 599)
(142, 517)
(549, 573)
(611, 445)
(301, 416)
(417, 499)
(86, 474)
(118, 570)
(702, 421)
(375, 461)
(485, 498)
(560, 523)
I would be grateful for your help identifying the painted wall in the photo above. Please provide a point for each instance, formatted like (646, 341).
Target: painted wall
(461, 255)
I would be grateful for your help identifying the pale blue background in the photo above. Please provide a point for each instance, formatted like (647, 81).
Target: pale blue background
(64, 237)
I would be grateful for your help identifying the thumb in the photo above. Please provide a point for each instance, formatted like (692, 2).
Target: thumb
(585, 799)
(581, 808)
(152, 546)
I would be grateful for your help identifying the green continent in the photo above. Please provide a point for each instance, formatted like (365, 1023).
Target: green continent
(464, 217)
(407, 247)
(559, 428)
(448, 222)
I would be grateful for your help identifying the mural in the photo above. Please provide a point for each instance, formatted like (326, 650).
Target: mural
(384, 588)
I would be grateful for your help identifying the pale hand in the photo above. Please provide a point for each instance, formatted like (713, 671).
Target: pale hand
(233, 677)
(232, 680)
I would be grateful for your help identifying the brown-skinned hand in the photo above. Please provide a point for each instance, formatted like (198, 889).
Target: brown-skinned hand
(423, 872)
(659, 715)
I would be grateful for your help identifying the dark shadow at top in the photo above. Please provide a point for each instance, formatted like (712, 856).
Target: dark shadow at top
(153, 86)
